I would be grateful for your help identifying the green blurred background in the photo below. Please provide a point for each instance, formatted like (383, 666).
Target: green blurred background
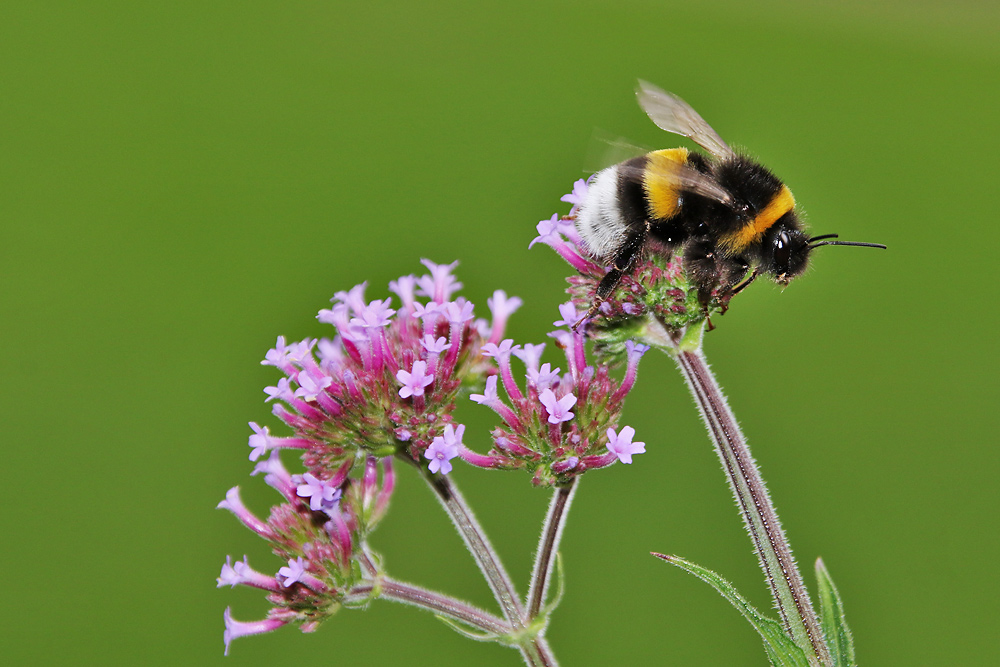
(181, 182)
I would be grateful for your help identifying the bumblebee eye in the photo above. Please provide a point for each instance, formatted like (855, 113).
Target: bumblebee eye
(782, 251)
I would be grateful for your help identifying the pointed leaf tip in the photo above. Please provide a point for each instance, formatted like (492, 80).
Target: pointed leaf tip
(780, 649)
(838, 636)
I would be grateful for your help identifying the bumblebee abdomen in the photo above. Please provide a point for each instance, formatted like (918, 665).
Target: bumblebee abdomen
(600, 221)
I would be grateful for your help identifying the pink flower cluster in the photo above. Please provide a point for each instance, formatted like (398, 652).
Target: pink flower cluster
(388, 380)
(561, 424)
(320, 531)
(385, 385)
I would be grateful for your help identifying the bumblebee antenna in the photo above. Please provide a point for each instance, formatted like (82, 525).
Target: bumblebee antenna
(866, 245)
(825, 236)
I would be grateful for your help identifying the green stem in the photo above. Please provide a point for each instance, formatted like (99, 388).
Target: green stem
(747, 485)
(438, 603)
(555, 520)
(534, 649)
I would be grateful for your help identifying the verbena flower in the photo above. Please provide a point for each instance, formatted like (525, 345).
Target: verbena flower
(384, 384)
(558, 426)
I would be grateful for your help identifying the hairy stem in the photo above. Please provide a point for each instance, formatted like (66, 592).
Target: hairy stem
(747, 485)
(479, 545)
(548, 545)
(534, 649)
(437, 603)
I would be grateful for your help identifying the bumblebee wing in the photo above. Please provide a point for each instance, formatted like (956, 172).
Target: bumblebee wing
(673, 114)
(606, 149)
(678, 176)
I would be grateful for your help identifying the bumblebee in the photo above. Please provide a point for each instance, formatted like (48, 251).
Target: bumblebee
(725, 214)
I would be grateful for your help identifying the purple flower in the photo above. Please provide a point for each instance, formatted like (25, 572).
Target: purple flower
(240, 572)
(435, 346)
(236, 629)
(404, 289)
(354, 298)
(293, 573)
(431, 310)
(621, 444)
(544, 378)
(491, 392)
(339, 316)
(569, 314)
(260, 441)
(331, 354)
(277, 355)
(440, 285)
(282, 392)
(322, 496)
(547, 232)
(444, 448)
(531, 355)
(504, 349)
(558, 409)
(229, 576)
(414, 381)
(310, 387)
(635, 350)
(375, 315)
(502, 308)
(458, 312)
(578, 195)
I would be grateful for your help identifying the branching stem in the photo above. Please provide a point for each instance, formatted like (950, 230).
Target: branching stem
(437, 603)
(534, 649)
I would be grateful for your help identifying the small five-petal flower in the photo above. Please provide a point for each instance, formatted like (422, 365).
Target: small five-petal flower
(621, 445)
(414, 381)
(558, 409)
(444, 448)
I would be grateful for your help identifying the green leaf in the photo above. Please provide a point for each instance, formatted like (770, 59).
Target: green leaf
(838, 636)
(472, 633)
(781, 650)
(560, 588)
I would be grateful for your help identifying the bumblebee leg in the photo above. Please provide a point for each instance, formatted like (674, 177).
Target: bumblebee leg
(732, 272)
(622, 263)
(746, 283)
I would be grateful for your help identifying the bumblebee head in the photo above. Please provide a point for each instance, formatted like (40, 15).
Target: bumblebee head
(786, 250)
